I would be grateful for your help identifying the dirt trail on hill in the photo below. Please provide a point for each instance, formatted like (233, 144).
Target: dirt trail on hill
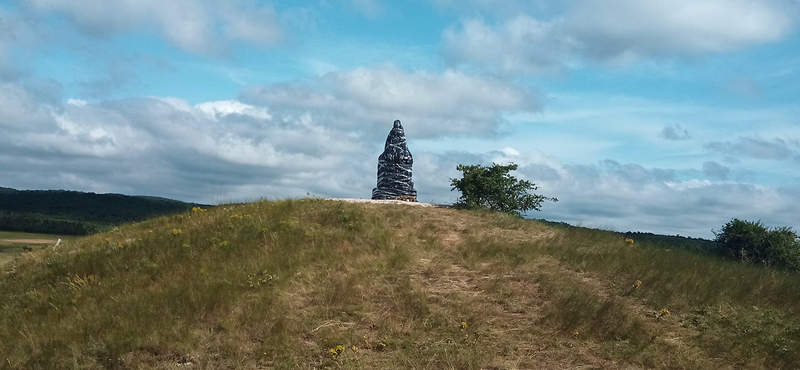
(508, 303)
(29, 241)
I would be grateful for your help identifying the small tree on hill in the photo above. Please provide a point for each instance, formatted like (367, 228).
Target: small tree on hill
(493, 188)
(753, 242)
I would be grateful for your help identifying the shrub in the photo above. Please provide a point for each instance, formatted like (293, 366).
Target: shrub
(493, 188)
(783, 248)
(753, 242)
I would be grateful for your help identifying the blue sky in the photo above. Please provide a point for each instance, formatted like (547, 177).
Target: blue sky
(663, 116)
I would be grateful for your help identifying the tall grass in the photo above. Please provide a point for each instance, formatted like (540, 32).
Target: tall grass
(281, 284)
(739, 310)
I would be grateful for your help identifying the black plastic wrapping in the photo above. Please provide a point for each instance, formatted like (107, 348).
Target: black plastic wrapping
(394, 167)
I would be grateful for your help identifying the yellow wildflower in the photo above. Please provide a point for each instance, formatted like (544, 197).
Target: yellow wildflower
(150, 232)
(637, 284)
(463, 325)
(176, 232)
(354, 348)
(108, 240)
(665, 312)
(629, 240)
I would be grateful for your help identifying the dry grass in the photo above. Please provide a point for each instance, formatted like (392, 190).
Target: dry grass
(281, 284)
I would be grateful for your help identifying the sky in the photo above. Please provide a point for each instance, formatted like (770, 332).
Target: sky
(670, 117)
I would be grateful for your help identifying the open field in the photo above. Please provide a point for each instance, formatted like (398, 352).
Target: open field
(325, 284)
(13, 243)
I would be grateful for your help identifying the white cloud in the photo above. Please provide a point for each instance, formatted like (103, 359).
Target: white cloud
(429, 104)
(227, 107)
(777, 149)
(613, 29)
(619, 31)
(192, 25)
(24, 107)
(522, 44)
(76, 102)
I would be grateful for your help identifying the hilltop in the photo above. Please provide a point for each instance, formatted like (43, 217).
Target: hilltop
(325, 284)
(78, 213)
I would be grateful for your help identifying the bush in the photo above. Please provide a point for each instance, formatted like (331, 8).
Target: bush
(494, 189)
(783, 248)
(753, 242)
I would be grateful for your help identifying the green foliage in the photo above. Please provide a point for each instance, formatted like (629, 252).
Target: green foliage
(37, 222)
(494, 189)
(753, 242)
(77, 213)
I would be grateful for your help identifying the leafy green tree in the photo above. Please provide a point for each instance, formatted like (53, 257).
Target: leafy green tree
(493, 188)
(753, 242)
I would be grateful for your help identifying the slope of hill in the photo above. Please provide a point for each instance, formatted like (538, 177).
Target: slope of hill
(326, 284)
(77, 213)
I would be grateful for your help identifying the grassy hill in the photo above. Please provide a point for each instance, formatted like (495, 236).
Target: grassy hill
(325, 284)
(77, 213)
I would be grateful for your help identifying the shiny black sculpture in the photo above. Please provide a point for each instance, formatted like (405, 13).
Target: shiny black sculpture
(394, 168)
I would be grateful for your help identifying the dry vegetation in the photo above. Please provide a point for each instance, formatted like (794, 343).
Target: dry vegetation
(325, 284)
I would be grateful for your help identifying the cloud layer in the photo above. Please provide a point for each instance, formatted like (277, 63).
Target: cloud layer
(628, 196)
(289, 140)
(320, 135)
(776, 149)
(432, 105)
(618, 31)
(193, 25)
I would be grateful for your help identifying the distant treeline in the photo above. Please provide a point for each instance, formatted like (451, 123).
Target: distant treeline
(656, 240)
(746, 241)
(674, 241)
(77, 213)
(39, 223)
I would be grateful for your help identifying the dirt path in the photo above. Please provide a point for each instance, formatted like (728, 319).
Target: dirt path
(505, 303)
(29, 241)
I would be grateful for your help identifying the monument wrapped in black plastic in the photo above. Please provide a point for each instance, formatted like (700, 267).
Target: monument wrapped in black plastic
(394, 168)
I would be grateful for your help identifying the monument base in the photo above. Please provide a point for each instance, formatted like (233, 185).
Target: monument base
(406, 198)
(391, 194)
